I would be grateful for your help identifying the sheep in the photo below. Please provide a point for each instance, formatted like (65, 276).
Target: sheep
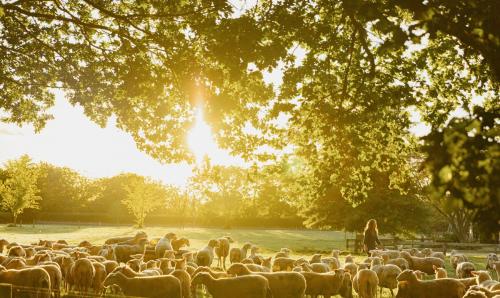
(180, 264)
(247, 261)
(351, 268)
(52, 269)
(490, 261)
(440, 272)
(253, 255)
(179, 243)
(129, 272)
(345, 290)
(483, 279)
(464, 269)
(426, 251)
(250, 286)
(82, 274)
(205, 256)
(410, 286)
(487, 293)
(238, 254)
(316, 258)
(365, 283)
(282, 284)
(150, 286)
(412, 251)
(316, 267)
(185, 280)
(16, 251)
(438, 254)
(223, 250)
(135, 264)
(392, 254)
(475, 294)
(99, 276)
(267, 263)
(165, 243)
(326, 284)
(107, 252)
(457, 258)
(387, 275)
(423, 264)
(283, 253)
(213, 273)
(110, 265)
(188, 256)
(335, 253)
(497, 269)
(124, 251)
(35, 280)
(3, 245)
(66, 265)
(283, 264)
(400, 262)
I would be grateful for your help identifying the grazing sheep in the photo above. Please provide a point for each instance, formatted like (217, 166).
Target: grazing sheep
(165, 243)
(36, 281)
(365, 283)
(253, 255)
(82, 274)
(326, 284)
(150, 286)
(283, 264)
(457, 258)
(400, 262)
(491, 259)
(16, 251)
(185, 280)
(236, 255)
(223, 250)
(205, 256)
(409, 286)
(283, 253)
(282, 284)
(387, 275)
(177, 244)
(123, 252)
(464, 269)
(249, 286)
(423, 264)
(487, 293)
(351, 268)
(438, 254)
(440, 272)
(99, 276)
(483, 279)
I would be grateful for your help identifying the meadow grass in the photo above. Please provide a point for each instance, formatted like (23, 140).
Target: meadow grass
(303, 243)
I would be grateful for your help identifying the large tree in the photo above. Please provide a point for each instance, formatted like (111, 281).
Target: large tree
(19, 190)
(144, 196)
(344, 104)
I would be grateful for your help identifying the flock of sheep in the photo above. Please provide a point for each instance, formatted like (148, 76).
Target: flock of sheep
(161, 267)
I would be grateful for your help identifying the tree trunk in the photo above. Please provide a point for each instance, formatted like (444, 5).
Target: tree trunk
(14, 217)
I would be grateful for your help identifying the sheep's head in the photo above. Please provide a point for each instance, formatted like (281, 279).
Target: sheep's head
(180, 263)
(335, 253)
(285, 250)
(229, 239)
(349, 259)
(474, 294)
(170, 236)
(84, 243)
(237, 269)
(254, 249)
(16, 263)
(113, 279)
(200, 278)
(42, 257)
(185, 241)
(407, 275)
(362, 266)
(267, 262)
(316, 258)
(376, 261)
(135, 264)
(247, 246)
(140, 235)
(152, 264)
(213, 243)
(481, 275)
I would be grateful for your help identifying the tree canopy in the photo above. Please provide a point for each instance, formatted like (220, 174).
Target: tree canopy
(355, 73)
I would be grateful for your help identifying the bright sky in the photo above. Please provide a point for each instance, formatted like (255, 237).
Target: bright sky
(72, 140)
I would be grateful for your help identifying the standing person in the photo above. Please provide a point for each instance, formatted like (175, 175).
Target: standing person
(370, 240)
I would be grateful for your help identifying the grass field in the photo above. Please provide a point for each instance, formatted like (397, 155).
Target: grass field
(303, 243)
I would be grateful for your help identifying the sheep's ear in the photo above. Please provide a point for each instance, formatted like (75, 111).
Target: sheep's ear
(475, 273)
(402, 284)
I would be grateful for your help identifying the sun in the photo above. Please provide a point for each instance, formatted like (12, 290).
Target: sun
(200, 138)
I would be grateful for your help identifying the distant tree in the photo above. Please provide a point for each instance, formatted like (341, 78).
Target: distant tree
(144, 196)
(19, 190)
(62, 189)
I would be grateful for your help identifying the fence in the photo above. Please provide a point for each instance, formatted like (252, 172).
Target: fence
(356, 246)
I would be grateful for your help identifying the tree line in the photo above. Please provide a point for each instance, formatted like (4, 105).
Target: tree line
(221, 196)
